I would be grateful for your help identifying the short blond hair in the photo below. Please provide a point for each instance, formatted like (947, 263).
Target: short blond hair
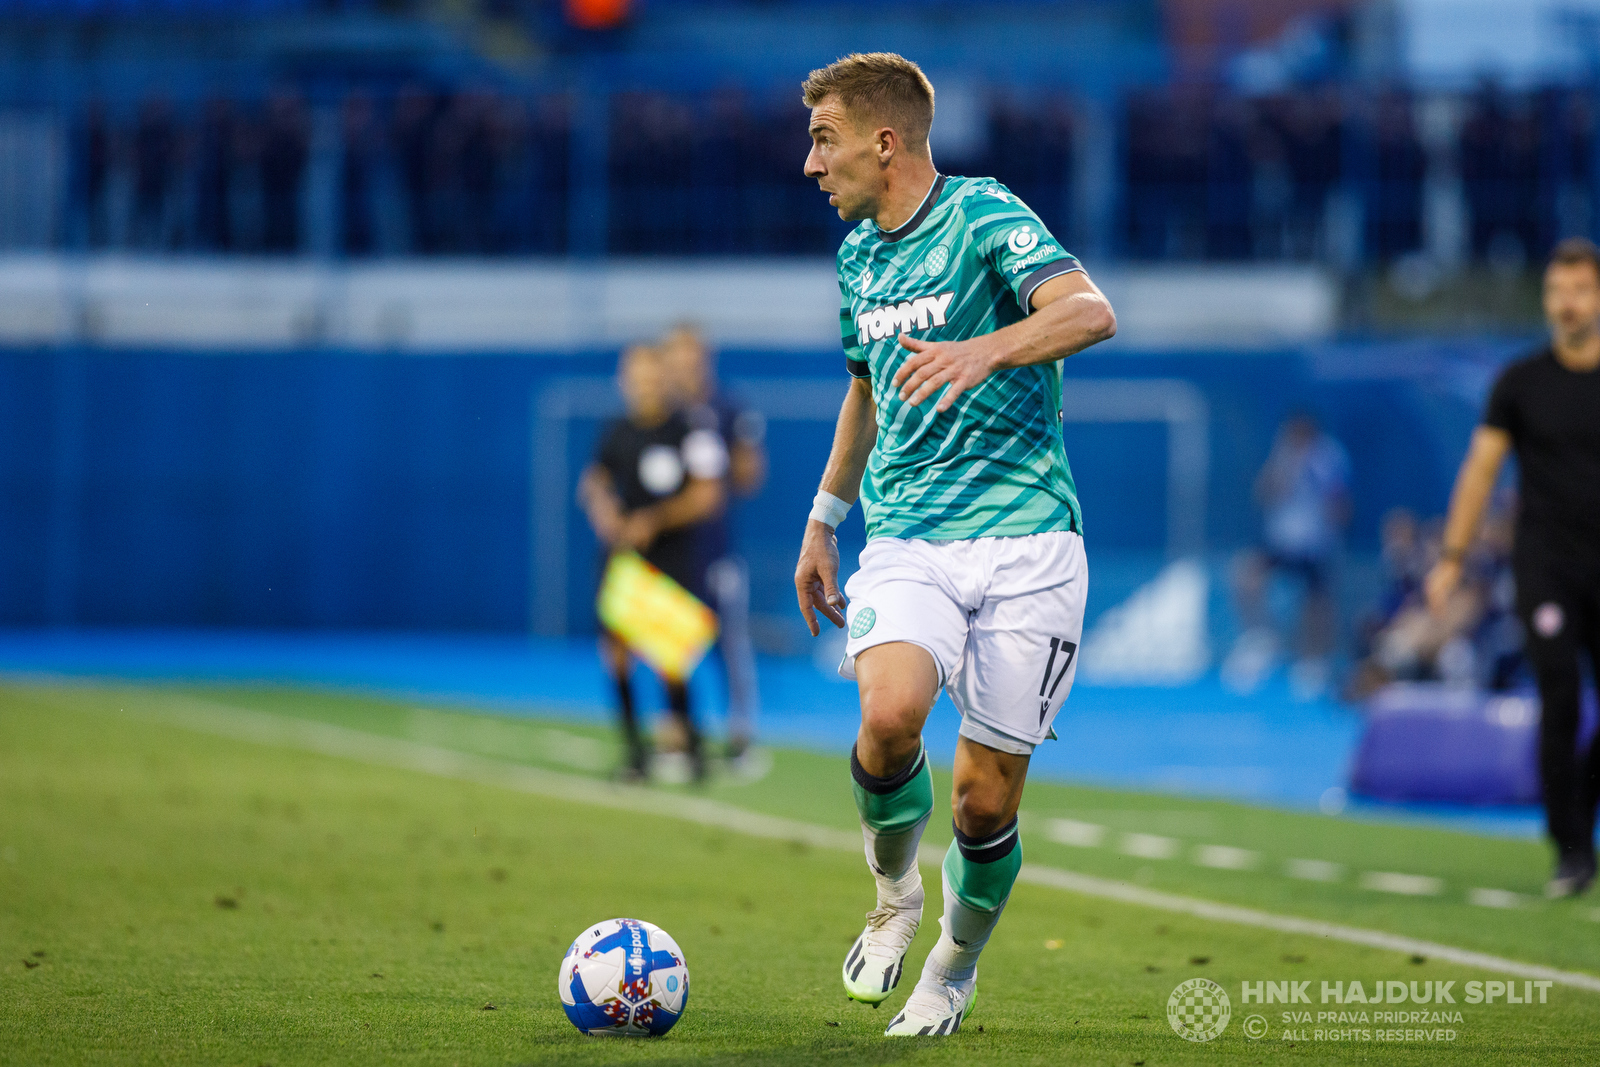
(880, 88)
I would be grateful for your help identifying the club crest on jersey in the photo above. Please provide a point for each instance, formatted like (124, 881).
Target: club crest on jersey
(936, 261)
(1022, 240)
(890, 320)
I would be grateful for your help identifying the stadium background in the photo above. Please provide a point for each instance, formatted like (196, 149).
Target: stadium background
(309, 309)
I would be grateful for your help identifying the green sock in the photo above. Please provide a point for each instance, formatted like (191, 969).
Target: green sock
(894, 812)
(978, 876)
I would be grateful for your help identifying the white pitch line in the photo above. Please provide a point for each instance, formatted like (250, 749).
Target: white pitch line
(262, 728)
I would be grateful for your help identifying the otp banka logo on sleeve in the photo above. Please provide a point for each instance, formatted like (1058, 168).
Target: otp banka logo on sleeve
(891, 320)
(1024, 244)
(1022, 240)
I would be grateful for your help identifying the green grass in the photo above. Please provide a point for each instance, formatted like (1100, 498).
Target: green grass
(204, 900)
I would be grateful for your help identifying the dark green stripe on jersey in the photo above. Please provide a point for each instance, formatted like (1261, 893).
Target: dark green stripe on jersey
(965, 264)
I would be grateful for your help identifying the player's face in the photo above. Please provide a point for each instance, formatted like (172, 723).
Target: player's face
(1571, 300)
(643, 383)
(844, 161)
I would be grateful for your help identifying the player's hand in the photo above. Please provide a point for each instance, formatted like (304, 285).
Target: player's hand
(816, 577)
(955, 366)
(1441, 584)
(637, 531)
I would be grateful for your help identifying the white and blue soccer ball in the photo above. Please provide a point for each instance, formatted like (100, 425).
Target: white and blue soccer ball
(624, 978)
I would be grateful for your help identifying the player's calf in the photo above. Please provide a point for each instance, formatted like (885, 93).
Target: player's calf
(894, 811)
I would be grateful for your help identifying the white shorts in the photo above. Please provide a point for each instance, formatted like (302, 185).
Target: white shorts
(1001, 616)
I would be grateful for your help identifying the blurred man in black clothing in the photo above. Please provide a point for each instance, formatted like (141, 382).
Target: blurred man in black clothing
(653, 480)
(1546, 408)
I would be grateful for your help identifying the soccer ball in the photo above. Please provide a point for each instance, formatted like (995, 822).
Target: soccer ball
(624, 978)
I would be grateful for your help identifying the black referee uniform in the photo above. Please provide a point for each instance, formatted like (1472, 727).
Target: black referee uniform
(1552, 415)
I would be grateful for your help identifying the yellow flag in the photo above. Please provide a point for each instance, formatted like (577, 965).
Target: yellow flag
(659, 620)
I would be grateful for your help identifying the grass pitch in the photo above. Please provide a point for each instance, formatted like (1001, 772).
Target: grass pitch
(170, 896)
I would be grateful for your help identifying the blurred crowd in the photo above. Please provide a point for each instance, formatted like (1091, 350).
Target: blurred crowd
(1304, 492)
(474, 171)
(422, 173)
(1476, 642)
(1275, 177)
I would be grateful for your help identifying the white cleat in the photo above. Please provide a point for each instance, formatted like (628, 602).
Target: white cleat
(936, 1008)
(877, 959)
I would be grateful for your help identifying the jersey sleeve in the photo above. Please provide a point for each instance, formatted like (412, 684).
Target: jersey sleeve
(1502, 411)
(855, 360)
(1014, 243)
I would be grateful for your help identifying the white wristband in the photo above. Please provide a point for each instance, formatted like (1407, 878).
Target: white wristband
(829, 509)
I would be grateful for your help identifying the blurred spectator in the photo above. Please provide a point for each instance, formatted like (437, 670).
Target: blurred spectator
(1474, 641)
(214, 173)
(742, 431)
(246, 213)
(155, 168)
(1394, 206)
(358, 175)
(1574, 154)
(1230, 175)
(1304, 492)
(1500, 170)
(97, 154)
(413, 121)
(1031, 152)
(1311, 126)
(476, 171)
(284, 150)
(1405, 563)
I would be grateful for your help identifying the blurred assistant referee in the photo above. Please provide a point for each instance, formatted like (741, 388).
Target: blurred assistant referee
(1547, 409)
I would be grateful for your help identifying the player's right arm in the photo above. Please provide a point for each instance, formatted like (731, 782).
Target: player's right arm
(1474, 485)
(600, 504)
(816, 576)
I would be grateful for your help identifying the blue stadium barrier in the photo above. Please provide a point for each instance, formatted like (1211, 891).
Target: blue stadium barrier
(352, 491)
(1430, 742)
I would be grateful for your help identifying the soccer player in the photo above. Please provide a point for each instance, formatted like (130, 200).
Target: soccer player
(653, 480)
(955, 304)
(1546, 409)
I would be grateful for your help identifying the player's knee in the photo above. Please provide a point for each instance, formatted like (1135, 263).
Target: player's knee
(887, 714)
(981, 808)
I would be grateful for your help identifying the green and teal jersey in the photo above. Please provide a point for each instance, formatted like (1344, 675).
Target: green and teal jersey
(966, 264)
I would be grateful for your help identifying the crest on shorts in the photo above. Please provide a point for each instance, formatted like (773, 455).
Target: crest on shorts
(863, 622)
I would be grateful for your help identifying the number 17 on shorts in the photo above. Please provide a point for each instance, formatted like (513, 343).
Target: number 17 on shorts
(1065, 651)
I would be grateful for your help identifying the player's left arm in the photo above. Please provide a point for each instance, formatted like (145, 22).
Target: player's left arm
(1070, 313)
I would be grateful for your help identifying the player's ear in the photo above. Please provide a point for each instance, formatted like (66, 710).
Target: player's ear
(887, 142)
